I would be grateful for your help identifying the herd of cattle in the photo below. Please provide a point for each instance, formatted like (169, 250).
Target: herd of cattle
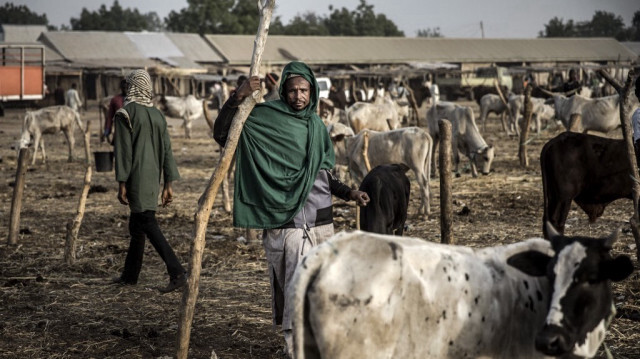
(405, 298)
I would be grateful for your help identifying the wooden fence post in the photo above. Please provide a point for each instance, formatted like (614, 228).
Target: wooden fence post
(205, 204)
(624, 91)
(524, 131)
(446, 201)
(16, 200)
(73, 226)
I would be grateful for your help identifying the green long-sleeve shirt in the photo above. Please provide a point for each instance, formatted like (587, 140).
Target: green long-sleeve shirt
(143, 153)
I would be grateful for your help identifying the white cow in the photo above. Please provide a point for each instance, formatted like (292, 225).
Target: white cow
(381, 116)
(598, 114)
(410, 146)
(365, 295)
(539, 111)
(188, 108)
(48, 120)
(465, 136)
(492, 103)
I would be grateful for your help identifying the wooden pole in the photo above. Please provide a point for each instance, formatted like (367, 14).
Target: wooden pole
(16, 201)
(205, 203)
(524, 132)
(413, 102)
(73, 226)
(446, 201)
(625, 93)
(365, 150)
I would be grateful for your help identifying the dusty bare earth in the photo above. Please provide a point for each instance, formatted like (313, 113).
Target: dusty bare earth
(52, 310)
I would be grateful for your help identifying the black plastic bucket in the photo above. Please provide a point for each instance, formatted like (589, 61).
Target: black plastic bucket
(104, 161)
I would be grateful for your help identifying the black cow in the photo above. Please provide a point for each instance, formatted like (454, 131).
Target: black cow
(388, 188)
(593, 171)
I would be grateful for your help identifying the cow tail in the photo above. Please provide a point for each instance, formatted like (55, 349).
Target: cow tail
(305, 275)
(545, 187)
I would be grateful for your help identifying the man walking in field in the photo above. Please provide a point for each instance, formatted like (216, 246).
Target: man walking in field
(143, 157)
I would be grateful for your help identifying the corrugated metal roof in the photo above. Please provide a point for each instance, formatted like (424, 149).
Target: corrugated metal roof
(21, 33)
(633, 46)
(194, 47)
(237, 49)
(154, 44)
(77, 45)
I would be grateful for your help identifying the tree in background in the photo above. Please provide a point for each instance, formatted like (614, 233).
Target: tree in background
(602, 24)
(306, 25)
(116, 19)
(557, 28)
(21, 15)
(217, 17)
(361, 22)
(635, 27)
(429, 32)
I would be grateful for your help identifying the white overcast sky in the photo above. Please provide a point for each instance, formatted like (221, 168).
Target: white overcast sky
(455, 18)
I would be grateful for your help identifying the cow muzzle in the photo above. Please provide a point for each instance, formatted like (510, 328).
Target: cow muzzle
(553, 341)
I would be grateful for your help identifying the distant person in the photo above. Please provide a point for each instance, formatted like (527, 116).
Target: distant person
(115, 104)
(572, 83)
(72, 99)
(143, 156)
(271, 83)
(59, 95)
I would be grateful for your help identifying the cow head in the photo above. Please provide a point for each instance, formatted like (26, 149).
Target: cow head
(483, 157)
(580, 274)
(25, 138)
(339, 134)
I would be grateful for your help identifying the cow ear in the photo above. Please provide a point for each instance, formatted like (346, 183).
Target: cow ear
(533, 263)
(616, 269)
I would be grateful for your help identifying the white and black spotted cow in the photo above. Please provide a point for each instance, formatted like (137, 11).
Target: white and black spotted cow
(364, 295)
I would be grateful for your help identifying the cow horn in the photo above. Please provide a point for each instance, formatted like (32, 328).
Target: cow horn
(571, 92)
(551, 230)
(611, 239)
(545, 91)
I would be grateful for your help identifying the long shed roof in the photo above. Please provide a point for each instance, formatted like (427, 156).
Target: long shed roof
(237, 49)
(21, 33)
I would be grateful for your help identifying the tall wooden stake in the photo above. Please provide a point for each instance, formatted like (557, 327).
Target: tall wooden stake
(446, 201)
(624, 91)
(524, 131)
(205, 203)
(73, 226)
(16, 200)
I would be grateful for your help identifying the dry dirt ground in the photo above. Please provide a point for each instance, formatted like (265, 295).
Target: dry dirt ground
(52, 310)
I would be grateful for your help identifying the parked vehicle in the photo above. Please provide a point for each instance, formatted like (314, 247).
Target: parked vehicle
(21, 73)
(453, 86)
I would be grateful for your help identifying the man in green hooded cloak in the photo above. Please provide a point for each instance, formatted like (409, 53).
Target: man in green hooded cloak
(282, 179)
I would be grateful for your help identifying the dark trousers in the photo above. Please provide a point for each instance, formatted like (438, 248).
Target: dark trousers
(144, 224)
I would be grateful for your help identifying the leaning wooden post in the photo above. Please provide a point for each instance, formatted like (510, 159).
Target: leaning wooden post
(524, 131)
(73, 226)
(446, 201)
(205, 203)
(16, 200)
(625, 118)
(367, 164)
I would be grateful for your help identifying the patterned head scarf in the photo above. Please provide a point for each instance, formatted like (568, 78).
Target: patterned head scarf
(139, 88)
